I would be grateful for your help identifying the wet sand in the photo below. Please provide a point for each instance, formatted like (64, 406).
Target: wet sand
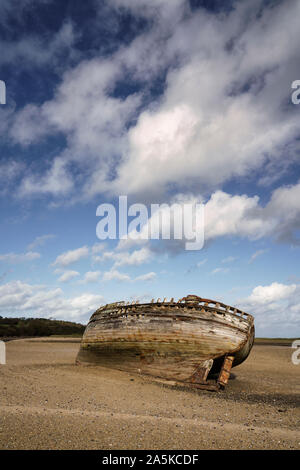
(47, 402)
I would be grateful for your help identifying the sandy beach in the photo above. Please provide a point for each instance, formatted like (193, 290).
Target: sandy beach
(47, 402)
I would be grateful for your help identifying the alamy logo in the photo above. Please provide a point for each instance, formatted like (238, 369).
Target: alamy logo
(2, 353)
(2, 92)
(180, 221)
(296, 93)
(296, 354)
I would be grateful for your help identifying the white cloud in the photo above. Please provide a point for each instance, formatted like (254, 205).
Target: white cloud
(276, 309)
(90, 277)
(135, 258)
(22, 299)
(115, 275)
(227, 215)
(56, 181)
(98, 248)
(146, 277)
(68, 275)
(86, 302)
(219, 270)
(233, 215)
(71, 256)
(271, 293)
(14, 294)
(243, 216)
(125, 258)
(19, 257)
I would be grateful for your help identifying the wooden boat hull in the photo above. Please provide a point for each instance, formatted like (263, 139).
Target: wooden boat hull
(179, 342)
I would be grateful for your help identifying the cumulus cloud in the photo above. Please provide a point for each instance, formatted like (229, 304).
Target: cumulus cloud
(18, 298)
(56, 181)
(227, 215)
(115, 275)
(86, 302)
(276, 309)
(244, 216)
(134, 258)
(90, 277)
(68, 275)
(98, 248)
(126, 258)
(267, 294)
(71, 256)
(219, 270)
(146, 277)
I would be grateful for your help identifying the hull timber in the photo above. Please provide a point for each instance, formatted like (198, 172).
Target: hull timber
(179, 341)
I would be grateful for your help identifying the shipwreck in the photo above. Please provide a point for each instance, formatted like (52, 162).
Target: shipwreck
(193, 341)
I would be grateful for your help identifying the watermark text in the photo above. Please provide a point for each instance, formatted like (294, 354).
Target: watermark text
(296, 93)
(2, 92)
(296, 354)
(179, 221)
(2, 353)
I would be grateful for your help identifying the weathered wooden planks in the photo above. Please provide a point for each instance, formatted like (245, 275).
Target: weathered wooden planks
(176, 341)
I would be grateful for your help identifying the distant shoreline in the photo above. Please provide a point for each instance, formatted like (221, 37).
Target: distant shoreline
(14, 338)
(274, 341)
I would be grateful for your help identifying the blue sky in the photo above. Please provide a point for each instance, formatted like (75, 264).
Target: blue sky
(163, 102)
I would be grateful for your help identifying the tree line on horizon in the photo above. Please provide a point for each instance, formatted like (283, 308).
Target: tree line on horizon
(22, 327)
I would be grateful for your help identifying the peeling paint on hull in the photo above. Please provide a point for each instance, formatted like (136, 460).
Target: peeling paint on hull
(174, 341)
